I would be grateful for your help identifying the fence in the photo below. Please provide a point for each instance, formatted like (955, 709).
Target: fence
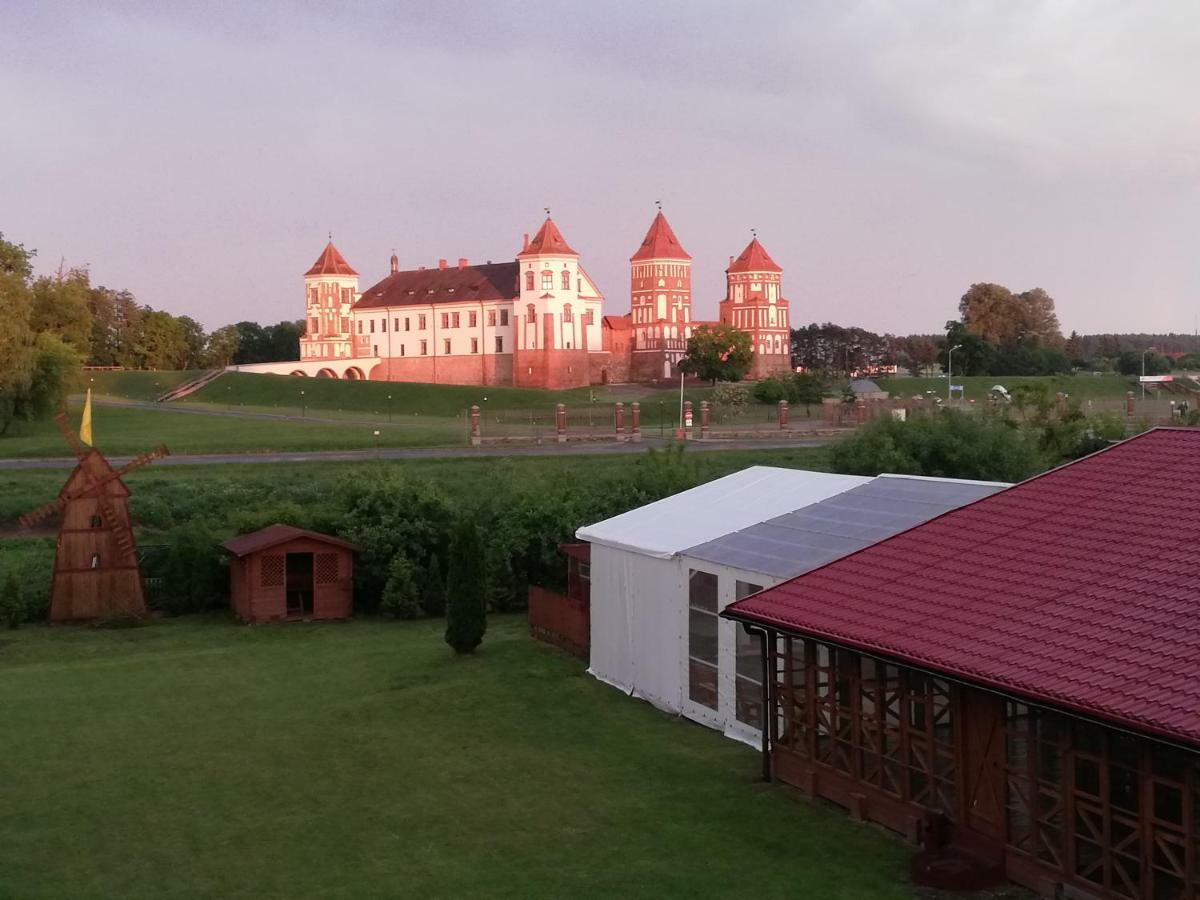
(558, 620)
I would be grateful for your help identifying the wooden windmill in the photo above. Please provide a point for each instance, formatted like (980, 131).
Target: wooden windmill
(96, 572)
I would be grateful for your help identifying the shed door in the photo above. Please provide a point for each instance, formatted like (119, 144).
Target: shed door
(983, 762)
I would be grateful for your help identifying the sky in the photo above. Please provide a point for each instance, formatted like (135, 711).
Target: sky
(889, 154)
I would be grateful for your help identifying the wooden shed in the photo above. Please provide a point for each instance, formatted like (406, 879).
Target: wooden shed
(282, 572)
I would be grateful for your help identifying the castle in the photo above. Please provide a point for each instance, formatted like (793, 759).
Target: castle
(534, 322)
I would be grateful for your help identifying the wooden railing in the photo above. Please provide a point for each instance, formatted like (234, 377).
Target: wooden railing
(558, 620)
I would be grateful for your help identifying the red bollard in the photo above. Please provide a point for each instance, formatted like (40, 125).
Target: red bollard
(687, 421)
(619, 419)
(1129, 404)
(635, 423)
(560, 423)
(476, 440)
(703, 419)
(783, 415)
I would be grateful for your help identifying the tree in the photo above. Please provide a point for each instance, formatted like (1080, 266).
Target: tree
(718, 353)
(12, 608)
(401, 593)
(254, 344)
(433, 592)
(1040, 322)
(466, 618)
(284, 341)
(1130, 363)
(1074, 349)
(16, 260)
(1005, 319)
(972, 354)
(808, 390)
(222, 347)
(116, 323)
(194, 343)
(950, 444)
(60, 306)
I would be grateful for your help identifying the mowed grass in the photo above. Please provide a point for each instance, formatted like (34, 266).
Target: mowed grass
(135, 385)
(197, 758)
(124, 431)
(976, 387)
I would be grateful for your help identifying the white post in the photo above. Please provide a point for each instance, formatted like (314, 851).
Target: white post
(950, 372)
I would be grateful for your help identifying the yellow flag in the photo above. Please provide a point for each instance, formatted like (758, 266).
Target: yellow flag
(85, 423)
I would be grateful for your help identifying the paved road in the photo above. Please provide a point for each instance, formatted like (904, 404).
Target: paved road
(549, 449)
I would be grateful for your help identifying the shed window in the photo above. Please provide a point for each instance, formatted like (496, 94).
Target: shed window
(95, 522)
(702, 638)
(95, 560)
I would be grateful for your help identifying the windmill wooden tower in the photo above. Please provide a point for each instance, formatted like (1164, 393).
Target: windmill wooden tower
(96, 572)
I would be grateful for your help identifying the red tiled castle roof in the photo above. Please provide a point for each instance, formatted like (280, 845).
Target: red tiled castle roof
(330, 262)
(660, 242)
(1076, 588)
(754, 259)
(548, 240)
(494, 281)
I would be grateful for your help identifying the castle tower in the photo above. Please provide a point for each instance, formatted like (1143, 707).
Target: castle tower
(660, 302)
(330, 290)
(754, 303)
(551, 337)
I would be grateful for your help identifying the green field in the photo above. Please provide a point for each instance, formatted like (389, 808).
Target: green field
(197, 758)
(131, 385)
(976, 387)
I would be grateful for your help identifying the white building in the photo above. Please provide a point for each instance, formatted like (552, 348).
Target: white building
(661, 574)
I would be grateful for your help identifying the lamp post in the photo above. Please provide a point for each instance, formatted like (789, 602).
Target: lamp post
(389, 409)
(1143, 378)
(303, 408)
(950, 372)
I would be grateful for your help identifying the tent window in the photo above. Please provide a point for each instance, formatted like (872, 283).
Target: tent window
(702, 638)
(748, 683)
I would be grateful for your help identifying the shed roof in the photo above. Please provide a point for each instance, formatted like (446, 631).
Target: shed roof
(819, 533)
(665, 527)
(274, 535)
(1076, 588)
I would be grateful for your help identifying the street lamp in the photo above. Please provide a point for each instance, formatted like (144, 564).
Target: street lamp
(950, 371)
(389, 409)
(1143, 379)
(303, 408)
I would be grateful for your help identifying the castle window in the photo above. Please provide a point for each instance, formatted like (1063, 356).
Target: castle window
(547, 281)
(375, 350)
(491, 317)
(372, 326)
(445, 320)
(529, 281)
(424, 348)
(474, 345)
(446, 346)
(401, 349)
(407, 323)
(530, 313)
(396, 324)
(566, 280)
(421, 323)
(345, 325)
(499, 345)
(360, 326)
(567, 315)
(383, 324)
(472, 320)
(589, 317)
(454, 320)
(504, 317)
(314, 325)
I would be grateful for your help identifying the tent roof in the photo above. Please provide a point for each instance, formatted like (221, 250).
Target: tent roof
(803, 539)
(665, 527)
(1074, 588)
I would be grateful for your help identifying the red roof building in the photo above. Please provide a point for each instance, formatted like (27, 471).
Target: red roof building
(1028, 690)
(330, 262)
(660, 303)
(754, 303)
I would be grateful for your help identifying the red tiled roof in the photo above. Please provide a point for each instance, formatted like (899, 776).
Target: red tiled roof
(1077, 588)
(754, 259)
(273, 535)
(330, 262)
(617, 323)
(660, 242)
(548, 240)
(494, 281)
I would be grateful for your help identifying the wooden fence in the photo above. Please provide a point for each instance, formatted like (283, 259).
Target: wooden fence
(561, 621)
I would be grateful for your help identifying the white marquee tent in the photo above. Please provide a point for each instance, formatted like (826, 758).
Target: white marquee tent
(661, 574)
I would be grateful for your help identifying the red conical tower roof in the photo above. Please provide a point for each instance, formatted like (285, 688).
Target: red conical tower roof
(754, 259)
(548, 240)
(660, 242)
(330, 262)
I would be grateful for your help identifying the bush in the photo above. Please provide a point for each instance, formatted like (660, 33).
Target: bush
(729, 400)
(433, 588)
(770, 390)
(950, 444)
(12, 607)
(402, 593)
(193, 569)
(466, 619)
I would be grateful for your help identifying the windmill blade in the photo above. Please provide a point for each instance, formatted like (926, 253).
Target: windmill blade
(145, 459)
(69, 433)
(44, 511)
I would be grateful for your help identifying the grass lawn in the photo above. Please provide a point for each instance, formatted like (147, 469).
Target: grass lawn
(976, 387)
(196, 758)
(132, 385)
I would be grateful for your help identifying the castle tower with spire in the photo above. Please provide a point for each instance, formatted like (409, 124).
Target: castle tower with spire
(330, 292)
(754, 304)
(660, 302)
